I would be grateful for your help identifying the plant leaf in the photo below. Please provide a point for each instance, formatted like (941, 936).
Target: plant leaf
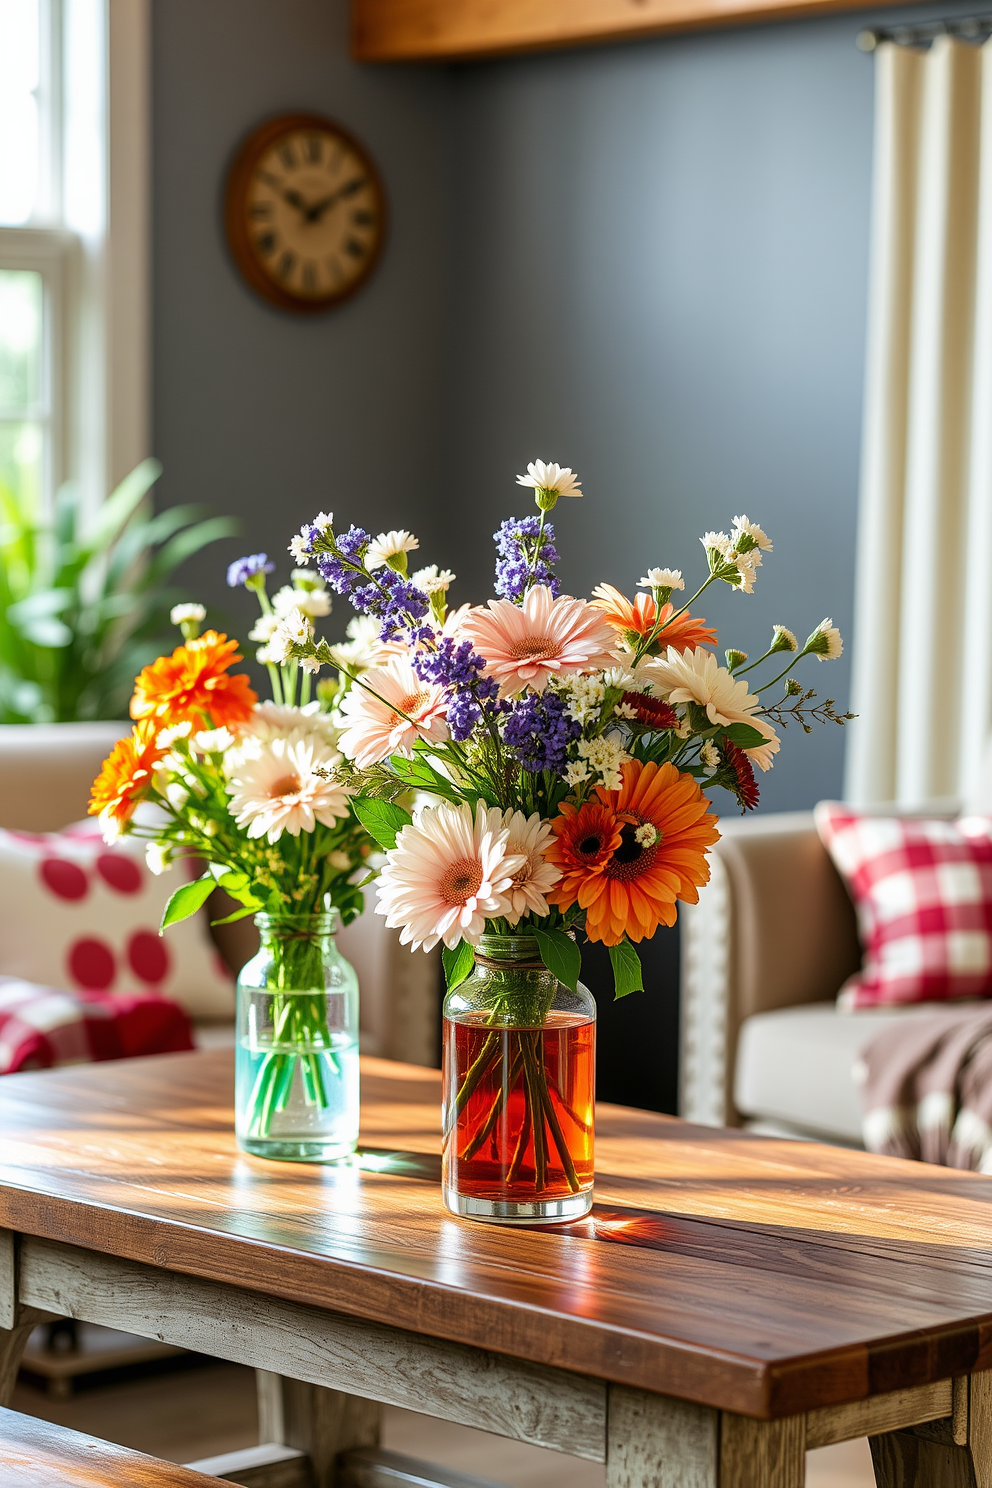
(457, 964)
(239, 914)
(744, 736)
(187, 899)
(627, 974)
(560, 955)
(383, 820)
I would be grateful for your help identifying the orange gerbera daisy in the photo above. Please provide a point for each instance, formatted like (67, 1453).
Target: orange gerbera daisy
(194, 681)
(125, 777)
(636, 620)
(628, 878)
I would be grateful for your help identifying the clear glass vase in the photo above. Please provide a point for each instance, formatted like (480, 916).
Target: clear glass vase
(296, 1068)
(519, 1090)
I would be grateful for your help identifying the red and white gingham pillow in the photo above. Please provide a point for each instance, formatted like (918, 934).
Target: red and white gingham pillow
(922, 890)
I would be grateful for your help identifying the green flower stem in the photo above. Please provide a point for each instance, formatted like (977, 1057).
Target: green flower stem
(495, 1109)
(299, 1020)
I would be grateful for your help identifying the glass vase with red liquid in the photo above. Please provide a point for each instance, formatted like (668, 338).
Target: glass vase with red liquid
(519, 1088)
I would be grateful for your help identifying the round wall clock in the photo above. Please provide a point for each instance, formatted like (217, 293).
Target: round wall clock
(305, 212)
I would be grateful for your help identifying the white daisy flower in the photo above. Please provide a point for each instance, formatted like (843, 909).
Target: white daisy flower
(747, 535)
(158, 857)
(433, 580)
(184, 613)
(213, 741)
(276, 789)
(388, 546)
(312, 602)
(747, 565)
(783, 640)
(294, 629)
(662, 578)
(560, 479)
(299, 548)
(263, 628)
(710, 757)
(697, 677)
(825, 643)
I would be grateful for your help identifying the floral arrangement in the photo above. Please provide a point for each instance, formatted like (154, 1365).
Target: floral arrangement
(251, 791)
(560, 748)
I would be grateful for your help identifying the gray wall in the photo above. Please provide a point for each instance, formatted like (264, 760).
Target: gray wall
(258, 412)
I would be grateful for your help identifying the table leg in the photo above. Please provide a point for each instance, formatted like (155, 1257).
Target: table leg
(954, 1453)
(657, 1442)
(318, 1421)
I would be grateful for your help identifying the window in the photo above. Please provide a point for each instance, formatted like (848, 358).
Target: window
(73, 128)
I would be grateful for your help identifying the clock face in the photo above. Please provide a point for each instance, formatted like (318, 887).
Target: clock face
(305, 212)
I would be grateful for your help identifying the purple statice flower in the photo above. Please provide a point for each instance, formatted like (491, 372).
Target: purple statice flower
(539, 731)
(521, 563)
(394, 601)
(454, 665)
(243, 569)
(352, 545)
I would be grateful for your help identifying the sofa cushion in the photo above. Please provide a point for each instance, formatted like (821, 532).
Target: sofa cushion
(799, 1065)
(922, 890)
(78, 915)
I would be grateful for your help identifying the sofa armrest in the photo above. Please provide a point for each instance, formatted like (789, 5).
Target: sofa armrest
(773, 928)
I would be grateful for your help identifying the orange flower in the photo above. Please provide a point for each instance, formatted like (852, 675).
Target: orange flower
(626, 883)
(636, 620)
(193, 681)
(126, 777)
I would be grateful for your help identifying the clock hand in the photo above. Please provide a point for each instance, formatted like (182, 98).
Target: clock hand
(317, 210)
(292, 197)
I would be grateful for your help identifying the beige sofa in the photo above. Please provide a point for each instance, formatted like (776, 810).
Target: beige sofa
(764, 954)
(46, 771)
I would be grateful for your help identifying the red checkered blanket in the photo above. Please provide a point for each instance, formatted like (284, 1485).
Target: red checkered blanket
(41, 1027)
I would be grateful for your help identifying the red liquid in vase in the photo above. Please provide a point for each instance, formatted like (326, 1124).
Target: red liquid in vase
(505, 1146)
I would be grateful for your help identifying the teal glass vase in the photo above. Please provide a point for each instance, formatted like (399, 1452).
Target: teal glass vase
(296, 1063)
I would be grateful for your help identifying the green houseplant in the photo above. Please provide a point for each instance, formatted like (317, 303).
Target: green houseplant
(85, 598)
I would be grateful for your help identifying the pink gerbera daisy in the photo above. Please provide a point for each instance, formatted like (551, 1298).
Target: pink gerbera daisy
(525, 644)
(448, 873)
(399, 709)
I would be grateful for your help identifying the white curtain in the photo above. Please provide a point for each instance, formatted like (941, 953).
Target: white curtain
(922, 653)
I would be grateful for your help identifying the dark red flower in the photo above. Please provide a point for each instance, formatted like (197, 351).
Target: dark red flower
(745, 786)
(651, 711)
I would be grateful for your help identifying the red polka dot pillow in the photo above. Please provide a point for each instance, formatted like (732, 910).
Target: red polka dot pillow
(79, 915)
(922, 890)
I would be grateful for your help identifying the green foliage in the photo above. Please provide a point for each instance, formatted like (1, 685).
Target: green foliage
(743, 735)
(627, 974)
(187, 900)
(383, 820)
(85, 600)
(560, 955)
(457, 964)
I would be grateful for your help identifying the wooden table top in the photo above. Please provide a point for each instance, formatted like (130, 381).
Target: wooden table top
(742, 1272)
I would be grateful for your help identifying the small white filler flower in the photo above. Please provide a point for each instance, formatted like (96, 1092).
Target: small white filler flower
(662, 578)
(390, 549)
(825, 643)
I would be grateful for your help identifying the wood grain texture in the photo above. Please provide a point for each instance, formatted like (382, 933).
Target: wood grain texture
(431, 30)
(269, 1465)
(320, 1422)
(372, 1469)
(736, 1271)
(474, 1388)
(36, 1454)
(771, 1454)
(903, 1460)
(662, 1442)
(837, 1423)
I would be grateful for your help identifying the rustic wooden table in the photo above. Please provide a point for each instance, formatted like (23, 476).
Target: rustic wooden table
(731, 1301)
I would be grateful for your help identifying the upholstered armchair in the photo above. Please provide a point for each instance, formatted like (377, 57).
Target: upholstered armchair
(764, 954)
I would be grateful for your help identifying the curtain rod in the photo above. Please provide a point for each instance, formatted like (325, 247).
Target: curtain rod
(969, 28)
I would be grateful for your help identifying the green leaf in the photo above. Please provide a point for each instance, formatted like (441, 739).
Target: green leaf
(744, 736)
(187, 900)
(627, 974)
(560, 955)
(457, 964)
(121, 505)
(383, 820)
(239, 914)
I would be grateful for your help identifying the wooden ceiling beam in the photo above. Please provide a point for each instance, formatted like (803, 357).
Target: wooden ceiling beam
(453, 30)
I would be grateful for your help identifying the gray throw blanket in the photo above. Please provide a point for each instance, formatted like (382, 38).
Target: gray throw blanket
(928, 1087)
